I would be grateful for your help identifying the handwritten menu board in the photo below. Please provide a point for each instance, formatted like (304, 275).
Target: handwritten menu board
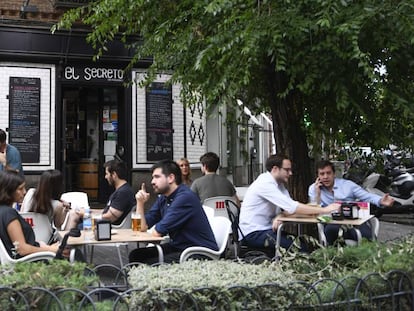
(159, 122)
(24, 116)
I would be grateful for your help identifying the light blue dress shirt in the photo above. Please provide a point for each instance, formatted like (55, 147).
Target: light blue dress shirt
(344, 190)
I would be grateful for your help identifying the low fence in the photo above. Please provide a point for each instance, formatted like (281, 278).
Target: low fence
(393, 291)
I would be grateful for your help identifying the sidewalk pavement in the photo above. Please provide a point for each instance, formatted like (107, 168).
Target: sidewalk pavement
(390, 230)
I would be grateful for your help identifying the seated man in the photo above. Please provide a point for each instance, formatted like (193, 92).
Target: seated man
(211, 184)
(177, 212)
(122, 200)
(328, 189)
(266, 198)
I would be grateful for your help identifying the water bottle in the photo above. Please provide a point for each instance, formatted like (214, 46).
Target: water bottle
(87, 224)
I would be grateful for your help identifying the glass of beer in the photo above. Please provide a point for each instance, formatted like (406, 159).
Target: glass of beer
(95, 219)
(136, 222)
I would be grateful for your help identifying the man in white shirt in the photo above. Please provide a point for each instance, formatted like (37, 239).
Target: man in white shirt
(266, 198)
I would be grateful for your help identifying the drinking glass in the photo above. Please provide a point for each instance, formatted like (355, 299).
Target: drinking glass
(136, 222)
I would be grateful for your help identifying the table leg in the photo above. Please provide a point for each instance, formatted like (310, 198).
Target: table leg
(374, 222)
(359, 235)
(278, 254)
(321, 234)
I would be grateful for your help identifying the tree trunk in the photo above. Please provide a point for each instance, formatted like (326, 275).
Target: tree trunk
(290, 137)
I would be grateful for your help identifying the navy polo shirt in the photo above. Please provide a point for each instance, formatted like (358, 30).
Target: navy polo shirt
(181, 216)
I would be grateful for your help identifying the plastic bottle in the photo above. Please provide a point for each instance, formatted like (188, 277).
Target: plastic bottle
(87, 224)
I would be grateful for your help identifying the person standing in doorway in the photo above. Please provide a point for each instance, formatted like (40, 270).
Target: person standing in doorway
(10, 159)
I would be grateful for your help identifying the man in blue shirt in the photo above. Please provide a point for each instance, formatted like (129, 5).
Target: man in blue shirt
(177, 212)
(10, 158)
(328, 189)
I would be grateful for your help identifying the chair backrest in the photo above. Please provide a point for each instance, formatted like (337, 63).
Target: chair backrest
(27, 201)
(209, 211)
(221, 227)
(219, 205)
(4, 255)
(126, 222)
(77, 199)
(41, 225)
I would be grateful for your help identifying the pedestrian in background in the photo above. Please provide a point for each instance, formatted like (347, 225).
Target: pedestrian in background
(184, 165)
(10, 159)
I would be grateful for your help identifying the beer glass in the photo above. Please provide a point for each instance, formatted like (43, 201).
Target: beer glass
(136, 222)
(95, 219)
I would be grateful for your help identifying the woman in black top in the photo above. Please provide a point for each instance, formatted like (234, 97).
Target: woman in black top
(17, 235)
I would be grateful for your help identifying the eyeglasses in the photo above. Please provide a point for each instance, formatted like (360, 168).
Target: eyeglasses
(287, 169)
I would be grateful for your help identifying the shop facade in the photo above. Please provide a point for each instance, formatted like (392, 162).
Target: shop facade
(64, 111)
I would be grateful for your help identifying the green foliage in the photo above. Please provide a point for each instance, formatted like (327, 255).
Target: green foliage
(53, 275)
(325, 268)
(338, 71)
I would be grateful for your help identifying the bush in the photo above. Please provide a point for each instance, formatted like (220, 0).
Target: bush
(326, 276)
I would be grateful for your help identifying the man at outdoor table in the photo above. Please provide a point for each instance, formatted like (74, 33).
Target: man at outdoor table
(266, 198)
(328, 189)
(177, 212)
(122, 199)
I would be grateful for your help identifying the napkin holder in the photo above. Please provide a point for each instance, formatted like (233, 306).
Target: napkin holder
(102, 230)
(348, 210)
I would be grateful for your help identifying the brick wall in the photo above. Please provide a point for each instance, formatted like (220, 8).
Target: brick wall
(10, 9)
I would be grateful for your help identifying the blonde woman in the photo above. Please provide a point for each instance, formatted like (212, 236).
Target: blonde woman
(185, 171)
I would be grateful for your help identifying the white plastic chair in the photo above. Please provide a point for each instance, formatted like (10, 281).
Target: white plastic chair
(41, 226)
(125, 224)
(77, 199)
(209, 211)
(220, 226)
(27, 201)
(218, 204)
(6, 259)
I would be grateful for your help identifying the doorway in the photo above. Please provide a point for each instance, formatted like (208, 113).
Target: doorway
(90, 127)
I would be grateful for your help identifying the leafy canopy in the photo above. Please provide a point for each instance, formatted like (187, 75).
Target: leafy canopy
(349, 64)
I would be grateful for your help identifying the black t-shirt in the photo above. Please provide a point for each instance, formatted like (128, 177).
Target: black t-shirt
(7, 215)
(122, 199)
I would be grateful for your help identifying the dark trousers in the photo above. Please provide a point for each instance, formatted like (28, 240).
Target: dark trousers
(331, 233)
(266, 239)
(149, 255)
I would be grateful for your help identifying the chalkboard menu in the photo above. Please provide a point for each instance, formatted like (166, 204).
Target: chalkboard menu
(24, 127)
(159, 122)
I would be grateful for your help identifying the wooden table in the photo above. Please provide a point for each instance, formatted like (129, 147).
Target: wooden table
(302, 219)
(121, 236)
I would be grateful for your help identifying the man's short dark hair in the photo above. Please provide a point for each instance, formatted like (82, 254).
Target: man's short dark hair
(118, 167)
(324, 163)
(169, 167)
(3, 136)
(211, 161)
(275, 160)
